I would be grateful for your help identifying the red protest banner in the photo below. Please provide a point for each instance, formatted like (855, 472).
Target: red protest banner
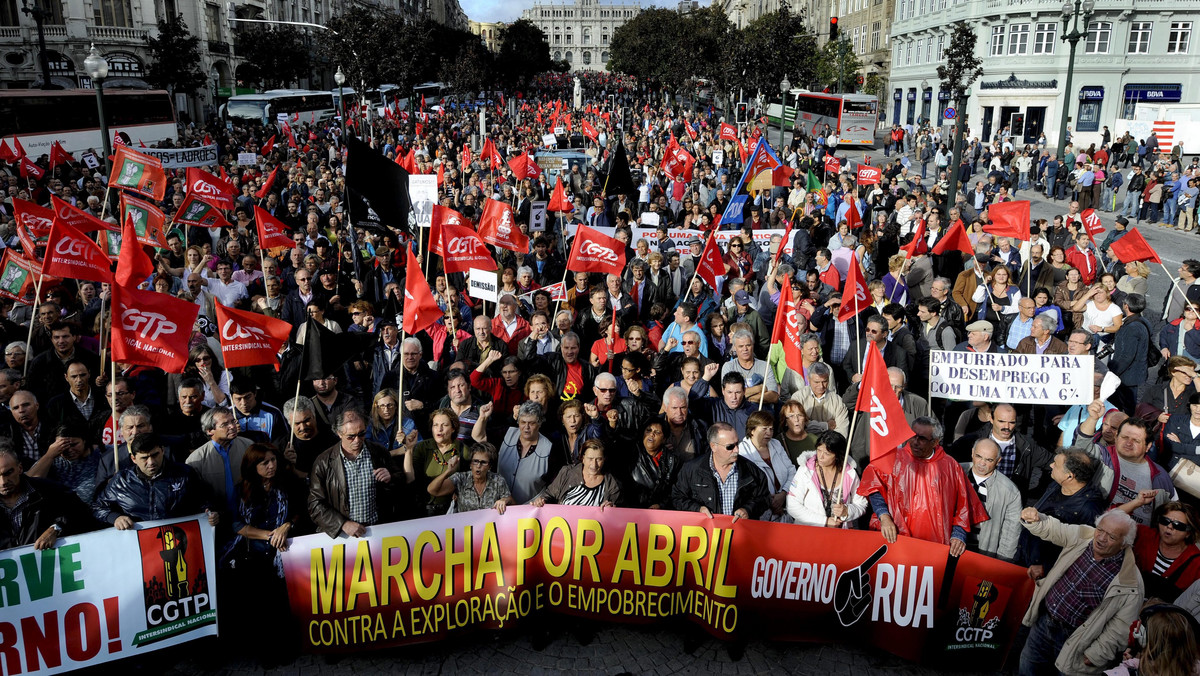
(78, 219)
(868, 175)
(138, 172)
(593, 251)
(464, 250)
(74, 255)
(498, 227)
(248, 338)
(213, 189)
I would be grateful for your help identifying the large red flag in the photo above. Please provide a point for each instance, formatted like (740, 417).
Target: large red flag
(523, 166)
(37, 219)
(490, 153)
(17, 147)
(72, 254)
(266, 149)
(832, 165)
(918, 245)
(272, 232)
(199, 212)
(30, 169)
(787, 330)
(677, 163)
(133, 266)
(869, 175)
(558, 199)
(590, 131)
(409, 161)
(498, 227)
(1091, 224)
(214, 189)
(138, 172)
(420, 309)
(59, 155)
(889, 427)
(1009, 219)
(853, 217)
(151, 328)
(711, 266)
(441, 216)
(728, 132)
(464, 250)
(266, 187)
(855, 295)
(80, 220)
(250, 339)
(593, 251)
(6, 153)
(1133, 247)
(955, 239)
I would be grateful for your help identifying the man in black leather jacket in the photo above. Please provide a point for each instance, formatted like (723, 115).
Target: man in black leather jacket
(721, 481)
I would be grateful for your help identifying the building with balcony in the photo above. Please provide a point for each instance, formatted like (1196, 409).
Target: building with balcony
(580, 32)
(488, 32)
(1133, 53)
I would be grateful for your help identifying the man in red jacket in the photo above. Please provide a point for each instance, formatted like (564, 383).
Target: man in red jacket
(1083, 258)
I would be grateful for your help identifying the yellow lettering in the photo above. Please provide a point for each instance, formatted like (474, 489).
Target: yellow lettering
(489, 558)
(720, 588)
(527, 550)
(426, 592)
(394, 572)
(586, 551)
(628, 559)
(656, 555)
(325, 583)
(690, 556)
(557, 525)
(363, 580)
(461, 557)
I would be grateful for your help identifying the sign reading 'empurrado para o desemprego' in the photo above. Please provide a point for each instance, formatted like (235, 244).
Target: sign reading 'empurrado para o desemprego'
(1011, 378)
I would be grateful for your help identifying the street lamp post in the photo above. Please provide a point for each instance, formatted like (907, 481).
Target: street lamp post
(924, 87)
(340, 78)
(97, 69)
(39, 16)
(1070, 16)
(960, 103)
(784, 87)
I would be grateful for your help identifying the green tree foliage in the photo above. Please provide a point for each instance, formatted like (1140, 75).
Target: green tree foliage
(772, 46)
(373, 46)
(174, 57)
(652, 46)
(275, 56)
(838, 58)
(524, 52)
(470, 69)
(874, 85)
(962, 66)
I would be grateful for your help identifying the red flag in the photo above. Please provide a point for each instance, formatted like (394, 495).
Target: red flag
(590, 131)
(30, 169)
(38, 220)
(464, 250)
(250, 339)
(138, 172)
(918, 245)
(1009, 219)
(832, 165)
(80, 220)
(677, 162)
(266, 149)
(266, 187)
(207, 140)
(1091, 224)
(72, 254)
(853, 218)
(272, 232)
(523, 166)
(151, 329)
(855, 295)
(17, 275)
(442, 216)
(593, 251)
(490, 153)
(691, 131)
(441, 174)
(148, 220)
(558, 199)
(787, 330)
(420, 309)
(868, 175)
(889, 427)
(727, 132)
(198, 212)
(1133, 247)
(409, 161)
(466, 155)
(741, 151)
(214, 189)
(133, 266)
(59, 155)
(498, 227)
(711, 266)
(955, 239)
(20, 149)
(7, 154)
(781, 176)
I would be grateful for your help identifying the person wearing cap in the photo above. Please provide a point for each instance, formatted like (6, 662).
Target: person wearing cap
(382, 274)
(689, 260)
(979, 338)
(742, 312)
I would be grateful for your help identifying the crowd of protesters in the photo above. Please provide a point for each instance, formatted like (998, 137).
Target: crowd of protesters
(647, 389)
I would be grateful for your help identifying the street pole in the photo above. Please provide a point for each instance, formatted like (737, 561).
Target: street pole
(841, 65)
(959, 131)
(1066, 111)
(39, 17)
(1084, 9)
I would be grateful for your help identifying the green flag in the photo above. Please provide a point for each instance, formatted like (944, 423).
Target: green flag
(813, 183)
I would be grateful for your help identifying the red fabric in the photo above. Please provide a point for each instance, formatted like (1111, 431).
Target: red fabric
(889, 427)
(1009, 219)
(926, 498)
(498, 227)
(918, 245)
(512, 340)
(558, 199)
(504, 398)
(1084, 261)
(1133, 247)
(786, 331)
(833, 278)
(593, 251)
(464, 249)
(600, 349)
(72, 254)
(272, 232)
(574, 383)
(133, 266)
(954, 239)
(711, 267)
(266, 186)
(1145, 548)
(80, 220)
(250, 339)
(151, 329)
(420, 309)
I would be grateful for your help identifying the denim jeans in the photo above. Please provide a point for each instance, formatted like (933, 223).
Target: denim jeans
(1046, 639)
(1106, 198)
(924, 170)
(1133, 200)
(1023, 182)
(1153, 212)
(1170, 209)
(1050, 185)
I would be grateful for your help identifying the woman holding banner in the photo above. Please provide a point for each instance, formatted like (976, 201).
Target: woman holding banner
(1002, 298)
(819, 490)
(761, 448)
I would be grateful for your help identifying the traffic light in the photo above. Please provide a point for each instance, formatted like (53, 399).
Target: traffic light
(833, 34)
(742, 113)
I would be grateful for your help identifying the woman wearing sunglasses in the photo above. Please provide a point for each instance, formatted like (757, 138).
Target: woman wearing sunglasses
(1166, 552)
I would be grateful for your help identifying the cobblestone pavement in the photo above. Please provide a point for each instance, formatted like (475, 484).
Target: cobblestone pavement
(614, 650)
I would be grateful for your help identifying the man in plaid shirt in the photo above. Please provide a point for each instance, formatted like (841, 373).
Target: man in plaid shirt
(352, 482)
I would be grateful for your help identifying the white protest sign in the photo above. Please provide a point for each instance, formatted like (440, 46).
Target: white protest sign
(718, 157)
(484, 285)
(91, 161)
(537, 216)
(680, 238)
(422, 192)
(247, 159)
(560, 131)
(1011, 378)
(650, 218)
(549, 140)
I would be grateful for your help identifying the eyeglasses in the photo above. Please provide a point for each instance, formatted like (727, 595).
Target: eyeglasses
(360, 435)
(729, 447)
(479, 463)
(606, 390)
(688, 342)
(1174, 525)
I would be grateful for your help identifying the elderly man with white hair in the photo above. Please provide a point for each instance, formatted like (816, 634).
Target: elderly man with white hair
(1081, 611)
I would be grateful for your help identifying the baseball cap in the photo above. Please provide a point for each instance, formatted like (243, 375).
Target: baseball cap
(741, 297)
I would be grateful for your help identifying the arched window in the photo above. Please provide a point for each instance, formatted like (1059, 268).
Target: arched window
(604, 57)
(558, 56)
(587, 36)
(570, 58)
(587, 58)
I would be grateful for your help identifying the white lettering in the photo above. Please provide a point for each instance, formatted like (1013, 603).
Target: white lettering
(148, 325)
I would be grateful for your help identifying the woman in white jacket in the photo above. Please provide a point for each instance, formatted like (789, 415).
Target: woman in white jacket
(768, 454)
(820, 495)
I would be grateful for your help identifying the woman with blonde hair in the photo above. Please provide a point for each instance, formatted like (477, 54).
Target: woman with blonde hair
(1136, 279)
(895, 288)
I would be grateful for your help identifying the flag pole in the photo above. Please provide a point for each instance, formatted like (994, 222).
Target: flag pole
(300, 372)
(1175, 285)
(400, 387)
(849, 441)
(37, 296)
(112, 398)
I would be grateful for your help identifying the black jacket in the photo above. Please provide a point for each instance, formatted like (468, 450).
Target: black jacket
(650, 483)
(696, 487)
(1032, 460)
(1129, 351)
(177, 491)
(48, 503)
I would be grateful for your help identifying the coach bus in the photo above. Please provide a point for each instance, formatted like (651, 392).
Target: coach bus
(300, 105)
(70, 116)
(852, 117)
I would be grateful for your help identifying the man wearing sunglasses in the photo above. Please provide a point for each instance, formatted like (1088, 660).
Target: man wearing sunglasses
(721, 481)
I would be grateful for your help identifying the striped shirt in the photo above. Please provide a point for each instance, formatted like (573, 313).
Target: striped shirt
(360, 488)
(726, 489)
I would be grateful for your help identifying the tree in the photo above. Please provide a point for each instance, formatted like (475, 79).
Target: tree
(648, 47)
(175, 58)
(772, 46)
(874, 85)
(471, 69)
(275, 56)
(961, 69)
(524, 52)
(838, 66)
(373, 46)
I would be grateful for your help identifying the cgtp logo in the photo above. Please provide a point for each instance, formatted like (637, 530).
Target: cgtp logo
(74, 249)
(878, 416)
(148, 325)
(231, 330)
(460, 246)
(205, 188)
(600, 251)
(505, 227)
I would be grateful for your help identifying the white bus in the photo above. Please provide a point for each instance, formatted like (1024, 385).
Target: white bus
(70, 116)
(852, 117)
(300, 105)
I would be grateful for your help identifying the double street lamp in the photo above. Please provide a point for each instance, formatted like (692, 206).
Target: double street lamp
(785, 86)
(39, 15)
(1071, 15)
(340, 78)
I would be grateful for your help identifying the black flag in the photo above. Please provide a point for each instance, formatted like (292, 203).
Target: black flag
(379, 182)
(325, 352)
(620, 182)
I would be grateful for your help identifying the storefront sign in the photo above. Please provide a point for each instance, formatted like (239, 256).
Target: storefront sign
(1091, 93)
(1013, 83)
(1171, 93)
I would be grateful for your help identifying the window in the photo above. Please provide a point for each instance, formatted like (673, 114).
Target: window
(1098, 37)
(929, 49)
(53, 10)
(587, 39)
(941, 5)
(941, 53)
(908, 53)
(212, 17)
(557, 39)
(570, 58)
(997, 41)
(1018, 39)
(1139, 37)
(875, 36)
(604, 39)
(569, 36)
(113, 13)
(1179, 37)
(901, 13)
(895, 53)
(1043, 40)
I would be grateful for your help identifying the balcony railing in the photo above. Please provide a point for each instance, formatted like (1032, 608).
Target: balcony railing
(115, 33)
(55, 31)
(10, 32)
(217, 47)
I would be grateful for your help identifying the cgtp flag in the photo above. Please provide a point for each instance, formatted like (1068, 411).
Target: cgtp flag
(677, 162)
(498, 227)
(868, 175)
(787, 330)
(272, 232)
(151, 329)
(955, 239)
(464, 250)
(1009, 219)
(248, 338)
(590, 131)
(1091, 224)
(72, 254)
(420, 309)
(138, 172)
(856, 297)
(593, 251)
(29, 169)
(889, 427)
(727, 132)
(523, 166)
(441, 216)
(832, 165)
(1133, 247)
(37, 219)
(59, 155)
(80, 220)
(212, 189)
(195, 211)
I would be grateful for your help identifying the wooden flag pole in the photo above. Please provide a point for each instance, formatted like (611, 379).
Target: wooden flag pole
(836, 492)
(1175, 285)
(112, 402)
(37, 296)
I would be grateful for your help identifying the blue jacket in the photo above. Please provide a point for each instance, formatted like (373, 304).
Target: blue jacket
(177, 491)
(1187, 446)
(1168, 337)
(1129, 351)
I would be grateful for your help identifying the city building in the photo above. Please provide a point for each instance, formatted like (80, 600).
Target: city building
(867, 25)
(1132, 54)
(488, 32)
(579, 33)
